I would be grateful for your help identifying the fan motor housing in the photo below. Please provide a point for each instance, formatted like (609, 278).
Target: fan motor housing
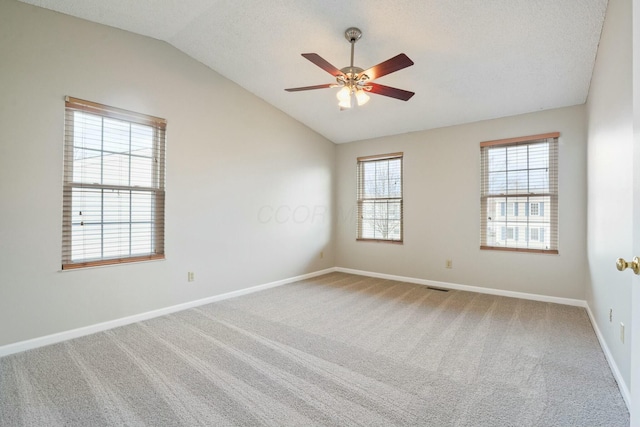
(351, 70)
(352, 34)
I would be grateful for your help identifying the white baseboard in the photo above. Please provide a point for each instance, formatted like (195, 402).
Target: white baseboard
(622, 385)
(478, 289)
(99, 327)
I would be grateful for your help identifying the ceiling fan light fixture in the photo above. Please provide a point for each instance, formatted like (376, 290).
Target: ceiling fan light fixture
(344, 94)
(347, 94)
(354, 82)
(362, 97)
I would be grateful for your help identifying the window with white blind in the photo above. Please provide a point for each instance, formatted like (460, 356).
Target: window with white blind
(519, 194)
(114, 186)
(380, 198)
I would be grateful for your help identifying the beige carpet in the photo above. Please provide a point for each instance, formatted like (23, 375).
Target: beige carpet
(337, 350)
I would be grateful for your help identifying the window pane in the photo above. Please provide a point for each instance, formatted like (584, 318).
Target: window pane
(86, 242)
(116, 206)
(394, 211)
(141, 238)
(116, 136)
(497, 158)
(87, 166)
(539, 156)
(368, 229)
(368, 210)
(395, 178)
(142, 206)
(381, 210)
(116, 240)
(368, 185)
(539, 181)
(141, 139)
(87, 131)
(497, 182)
(382, 179)
(384, 226)
(142, 173)
(517, 182)
(393, 230)
(115, 169)
(517, 157)
(395, 169)
(86, 206)
(382, 187)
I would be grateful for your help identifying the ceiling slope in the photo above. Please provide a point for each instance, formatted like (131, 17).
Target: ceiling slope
(474, 60)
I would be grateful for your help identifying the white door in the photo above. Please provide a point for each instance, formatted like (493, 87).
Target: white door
(635, 226)
(635, 299)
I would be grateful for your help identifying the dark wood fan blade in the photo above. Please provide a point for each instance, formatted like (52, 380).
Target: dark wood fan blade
(296, 89)
(322, 63)
(389, 66)
(392, 92)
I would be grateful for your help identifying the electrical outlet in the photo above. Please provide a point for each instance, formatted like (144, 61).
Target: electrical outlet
(622, 332)
(321, 254)
(191, 276)
(449, 263)
(611, 315)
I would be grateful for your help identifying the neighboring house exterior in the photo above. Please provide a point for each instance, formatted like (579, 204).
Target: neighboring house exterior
(526, 222)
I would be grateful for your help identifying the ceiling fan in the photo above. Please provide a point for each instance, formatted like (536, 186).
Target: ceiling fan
(356, 82)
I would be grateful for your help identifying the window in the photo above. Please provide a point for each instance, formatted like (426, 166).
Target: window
(519, 194)
(380, 198)
(113, 195)
(509, 233)
(535, 209)
(536, 234)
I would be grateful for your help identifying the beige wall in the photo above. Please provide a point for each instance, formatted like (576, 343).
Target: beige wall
(249, 190)
(610, 171)
(442, 208)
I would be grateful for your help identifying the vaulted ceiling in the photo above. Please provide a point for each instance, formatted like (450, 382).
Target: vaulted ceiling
(474, 60)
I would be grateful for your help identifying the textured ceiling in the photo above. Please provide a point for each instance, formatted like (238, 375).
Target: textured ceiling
(474, 60)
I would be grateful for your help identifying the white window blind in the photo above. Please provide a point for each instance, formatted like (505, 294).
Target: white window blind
(522, 173)
(380, 198)
(114, 185)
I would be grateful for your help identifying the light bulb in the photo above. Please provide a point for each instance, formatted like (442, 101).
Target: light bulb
(344, 94)
(362, 97)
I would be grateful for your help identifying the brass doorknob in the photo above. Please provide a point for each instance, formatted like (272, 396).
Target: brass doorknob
(621, 264)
